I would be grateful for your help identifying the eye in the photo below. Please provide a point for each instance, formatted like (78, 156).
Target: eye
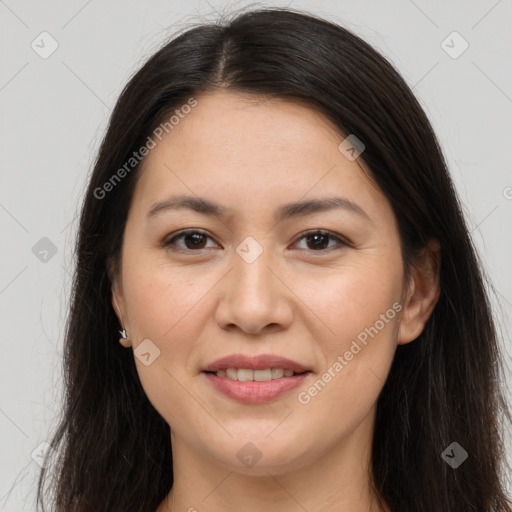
(318, 240)
(193, 239)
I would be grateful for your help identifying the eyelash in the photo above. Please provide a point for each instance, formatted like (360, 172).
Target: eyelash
(168, 244)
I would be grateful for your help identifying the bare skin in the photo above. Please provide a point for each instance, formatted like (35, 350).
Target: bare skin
(305, 303)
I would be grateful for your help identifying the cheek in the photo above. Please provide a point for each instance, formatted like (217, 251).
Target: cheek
(356, 365)
(163, 306)
(163, 300)
(353, 296)
(361, 309)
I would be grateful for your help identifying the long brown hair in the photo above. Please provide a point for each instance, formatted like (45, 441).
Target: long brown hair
(114, 451)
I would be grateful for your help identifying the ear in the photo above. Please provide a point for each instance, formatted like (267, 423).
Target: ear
(119, 307)
(423, 291)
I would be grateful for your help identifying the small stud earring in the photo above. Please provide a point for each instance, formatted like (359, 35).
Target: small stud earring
(124, 340)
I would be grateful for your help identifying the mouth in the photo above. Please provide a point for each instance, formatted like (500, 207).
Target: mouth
(244, 364)
(250, 375)
(255, 379)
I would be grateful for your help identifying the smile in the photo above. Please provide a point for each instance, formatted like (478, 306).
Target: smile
(249, 390)
(246, 375)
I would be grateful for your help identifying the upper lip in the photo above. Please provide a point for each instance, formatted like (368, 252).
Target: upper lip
(258, 362)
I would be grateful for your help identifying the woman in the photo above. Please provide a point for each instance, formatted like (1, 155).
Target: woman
(272, 228)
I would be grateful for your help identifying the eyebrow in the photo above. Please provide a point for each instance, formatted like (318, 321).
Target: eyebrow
(285, 212)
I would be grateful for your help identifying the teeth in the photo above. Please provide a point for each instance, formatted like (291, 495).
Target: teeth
(246, 375)
(232, 374)
(262, 375)
(277, 373)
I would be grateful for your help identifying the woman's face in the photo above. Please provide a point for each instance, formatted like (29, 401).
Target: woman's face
(252, 282)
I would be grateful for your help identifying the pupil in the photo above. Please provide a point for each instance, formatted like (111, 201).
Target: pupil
(316, 237)
(196, 238)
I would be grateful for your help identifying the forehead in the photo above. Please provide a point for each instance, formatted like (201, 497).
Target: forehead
(240, 132)
(231, 123)
(244, 149)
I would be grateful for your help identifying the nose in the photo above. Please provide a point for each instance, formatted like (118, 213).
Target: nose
(255, 297)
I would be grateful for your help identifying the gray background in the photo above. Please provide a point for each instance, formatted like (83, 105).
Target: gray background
(54, 112)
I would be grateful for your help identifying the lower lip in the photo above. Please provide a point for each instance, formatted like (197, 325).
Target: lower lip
(254, 392)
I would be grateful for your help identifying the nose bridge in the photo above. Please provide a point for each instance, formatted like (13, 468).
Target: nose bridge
(251, 274)
(254, 296)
